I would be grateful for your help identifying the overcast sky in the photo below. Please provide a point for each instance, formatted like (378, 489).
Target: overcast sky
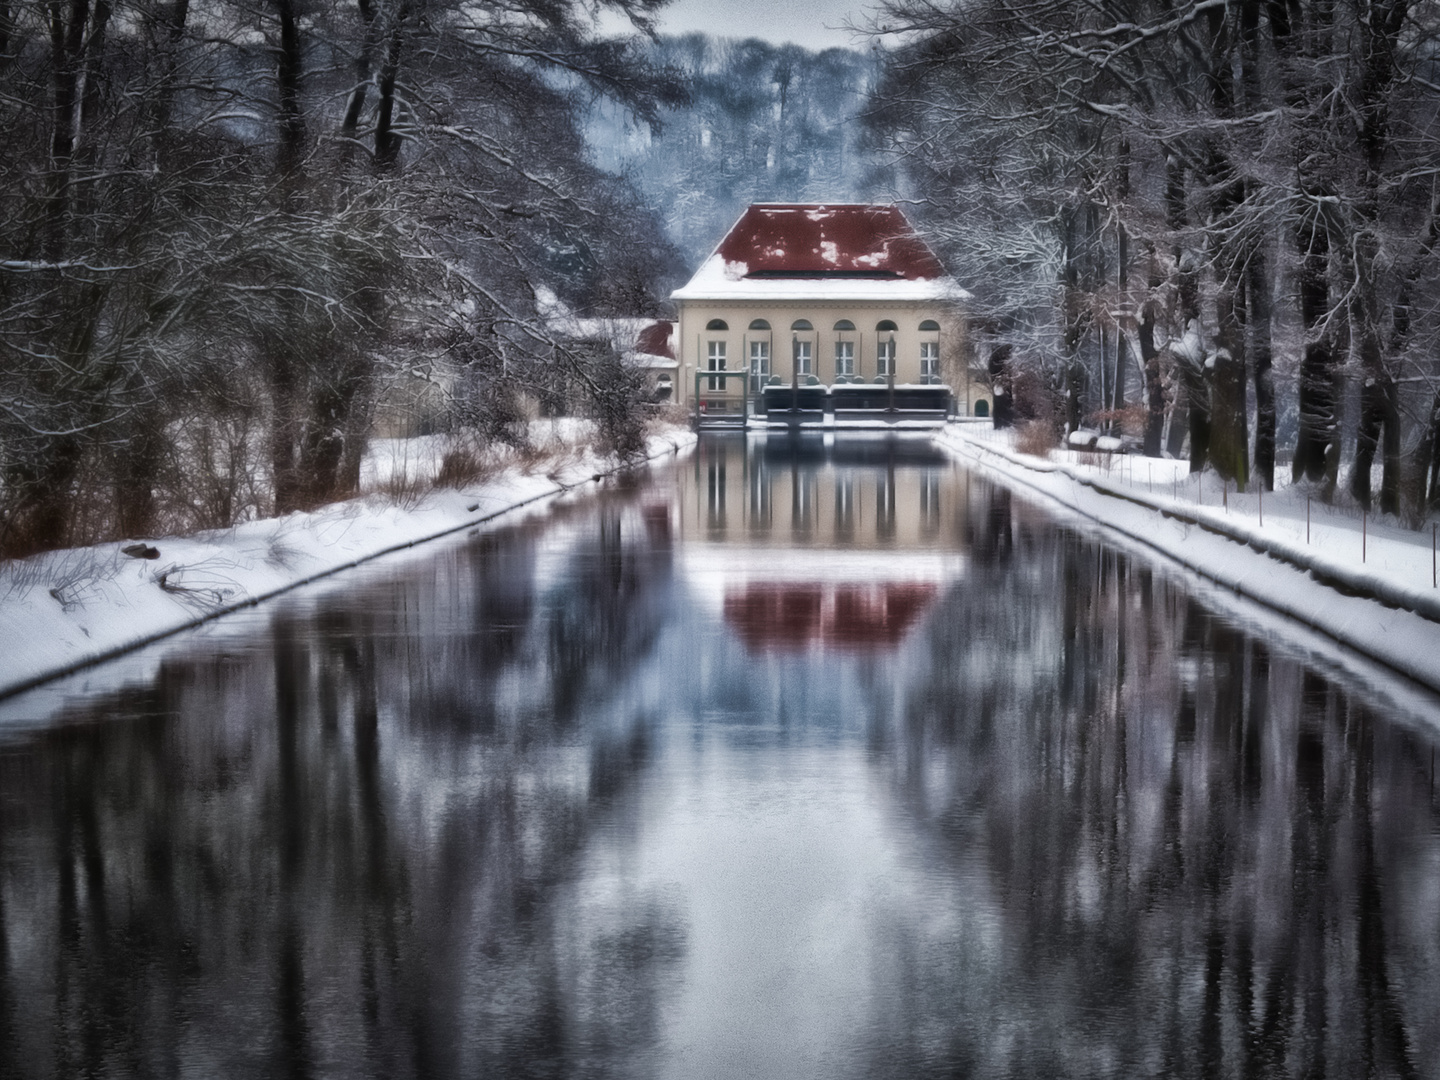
(815, 24)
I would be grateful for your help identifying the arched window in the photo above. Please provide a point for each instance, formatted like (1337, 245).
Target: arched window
(930, 324)
(801, 324)
(716, 324)
(886, 324)
(759, 324)
(982, 407)
(844, 324)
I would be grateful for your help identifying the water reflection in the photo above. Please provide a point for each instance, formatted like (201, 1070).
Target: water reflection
(695, 781)
(838, 571)
(861, 618)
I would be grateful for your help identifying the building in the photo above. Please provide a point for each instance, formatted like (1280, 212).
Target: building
(647, 345)
(819, 295)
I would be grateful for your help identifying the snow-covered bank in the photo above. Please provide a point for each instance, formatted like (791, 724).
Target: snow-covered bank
(1369, 587)
(64, 610)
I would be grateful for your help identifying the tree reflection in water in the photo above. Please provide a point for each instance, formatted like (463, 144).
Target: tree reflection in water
(505, 813)
(340, 851)
(1202, 859)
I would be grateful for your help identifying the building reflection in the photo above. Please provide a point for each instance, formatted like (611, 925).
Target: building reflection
(857, 492)
(853, 504)
(858, 618)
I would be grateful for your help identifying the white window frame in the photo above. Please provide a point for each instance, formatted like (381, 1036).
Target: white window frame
(844, 358)
(885, 357)
(930, 361)
(804, 357)
(759, 363)
(715, 360)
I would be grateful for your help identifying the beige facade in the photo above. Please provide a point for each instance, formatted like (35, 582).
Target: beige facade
(764, 334)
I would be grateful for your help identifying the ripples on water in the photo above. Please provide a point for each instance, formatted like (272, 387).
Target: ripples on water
(790, 761)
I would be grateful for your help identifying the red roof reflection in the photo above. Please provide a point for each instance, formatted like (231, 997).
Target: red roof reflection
(829, 240)
(850, 617)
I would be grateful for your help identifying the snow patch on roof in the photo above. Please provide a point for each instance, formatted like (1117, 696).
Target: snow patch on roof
(712, 282)
(640, 342)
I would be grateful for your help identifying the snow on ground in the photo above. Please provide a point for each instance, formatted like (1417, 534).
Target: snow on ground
(67, 609)
(1368, 585)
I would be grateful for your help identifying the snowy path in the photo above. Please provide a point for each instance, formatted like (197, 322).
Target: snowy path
(1369, 586)
(65, 610)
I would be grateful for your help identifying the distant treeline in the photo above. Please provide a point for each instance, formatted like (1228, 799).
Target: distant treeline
(229, 230)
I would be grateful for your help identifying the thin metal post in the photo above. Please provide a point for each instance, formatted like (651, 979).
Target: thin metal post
(1364, 532)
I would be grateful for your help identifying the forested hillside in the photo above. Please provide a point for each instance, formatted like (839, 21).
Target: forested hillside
(765, 123)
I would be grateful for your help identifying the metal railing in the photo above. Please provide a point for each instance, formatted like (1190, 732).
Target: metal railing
(712, 407)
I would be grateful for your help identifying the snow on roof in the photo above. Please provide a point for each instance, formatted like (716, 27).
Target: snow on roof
(841, 251)
(646, 343)
(641, 342)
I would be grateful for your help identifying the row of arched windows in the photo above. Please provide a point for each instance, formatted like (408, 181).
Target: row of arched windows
(883, 326)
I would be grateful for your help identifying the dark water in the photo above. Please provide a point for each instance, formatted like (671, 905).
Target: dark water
(783, 763)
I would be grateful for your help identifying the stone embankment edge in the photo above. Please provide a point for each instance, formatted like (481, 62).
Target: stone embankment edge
(1326, 573)
(30, 682)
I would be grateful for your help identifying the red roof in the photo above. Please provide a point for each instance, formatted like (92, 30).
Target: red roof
(828, 240)
(654, 340)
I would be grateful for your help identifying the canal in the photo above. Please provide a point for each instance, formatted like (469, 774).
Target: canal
(786, 760)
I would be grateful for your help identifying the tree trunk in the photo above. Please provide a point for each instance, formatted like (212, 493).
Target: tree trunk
(1432, 494)
(1229, 430)
(1262, 368)
(139, 466)
(1002, 409)
(1076, 317)
(40, 519)
(1415, 497)
(1180, 407)
(1256, 283)
(387, 143)
(1379, 397)
(1318, 423)
(1154, 387)
(288, 69)
(1229, 435)
(364, 72)
(67, 81)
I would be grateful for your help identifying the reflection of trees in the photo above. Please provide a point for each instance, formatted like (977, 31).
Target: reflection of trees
(346, 850)
(1180, 853)
(388, 839)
